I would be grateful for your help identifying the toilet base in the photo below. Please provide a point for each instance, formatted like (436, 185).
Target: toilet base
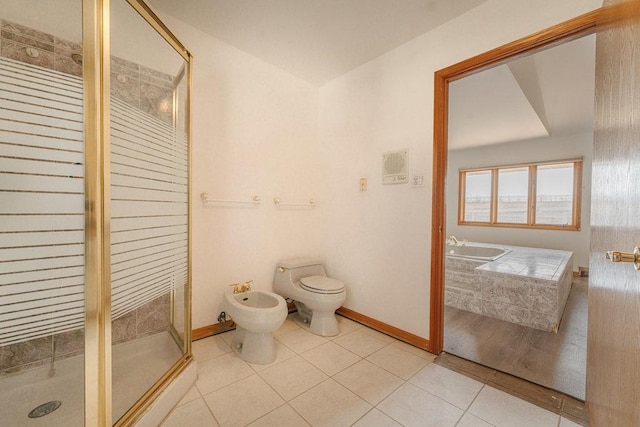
(323, 323)
(253, 347)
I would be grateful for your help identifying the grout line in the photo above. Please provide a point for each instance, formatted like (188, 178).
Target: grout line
(522, 395)
(299, 414)
(366, 413)
(485, 380)
(210, 411)
(472, 402)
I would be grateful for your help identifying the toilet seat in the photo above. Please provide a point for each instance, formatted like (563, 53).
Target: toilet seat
(321, 285)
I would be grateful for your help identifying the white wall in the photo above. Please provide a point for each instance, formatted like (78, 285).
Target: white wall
(254, 132)
(568, 147)
(378, 242)
(259, 130)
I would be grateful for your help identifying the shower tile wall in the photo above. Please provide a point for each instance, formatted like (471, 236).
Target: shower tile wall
(149, 90)
(150, 319)
(144, 88)
(52, 52)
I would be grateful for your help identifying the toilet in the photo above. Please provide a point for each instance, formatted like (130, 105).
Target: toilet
(315, 295)
(256, 315)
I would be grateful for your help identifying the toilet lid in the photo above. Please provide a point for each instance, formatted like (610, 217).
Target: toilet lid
(322, 285)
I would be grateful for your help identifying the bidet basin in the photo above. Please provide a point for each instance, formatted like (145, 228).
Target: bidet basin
(256, 311)
(257, 299)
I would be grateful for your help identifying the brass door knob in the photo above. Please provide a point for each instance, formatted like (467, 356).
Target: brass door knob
(634, 257)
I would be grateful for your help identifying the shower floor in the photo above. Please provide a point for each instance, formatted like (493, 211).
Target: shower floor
(137, 365)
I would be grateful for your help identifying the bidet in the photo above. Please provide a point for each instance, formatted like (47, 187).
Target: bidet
(256, 314)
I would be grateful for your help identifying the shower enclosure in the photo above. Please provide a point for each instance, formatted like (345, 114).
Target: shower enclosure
(94, 211)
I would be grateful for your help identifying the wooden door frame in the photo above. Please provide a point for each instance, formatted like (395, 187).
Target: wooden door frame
(561, 33)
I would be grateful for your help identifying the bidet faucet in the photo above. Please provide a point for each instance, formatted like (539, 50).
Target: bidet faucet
(246, 287)
(454, 240)
(237, 289)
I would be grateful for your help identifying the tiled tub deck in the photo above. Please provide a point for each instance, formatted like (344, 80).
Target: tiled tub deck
(527, 286)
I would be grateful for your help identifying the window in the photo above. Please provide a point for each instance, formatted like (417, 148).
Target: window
(513, 195)
(543, 195)
(477, 198)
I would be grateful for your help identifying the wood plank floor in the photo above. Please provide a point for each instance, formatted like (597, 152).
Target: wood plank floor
(556, 361)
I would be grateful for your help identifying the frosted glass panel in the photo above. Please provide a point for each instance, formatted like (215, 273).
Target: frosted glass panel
(42, 202)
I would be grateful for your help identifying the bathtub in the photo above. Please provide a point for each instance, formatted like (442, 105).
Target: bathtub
(527, 286)
(480, 253)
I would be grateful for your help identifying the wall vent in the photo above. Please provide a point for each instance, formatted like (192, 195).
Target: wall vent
(395, 167)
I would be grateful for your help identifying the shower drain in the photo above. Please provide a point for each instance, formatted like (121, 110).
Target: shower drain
(44, 409)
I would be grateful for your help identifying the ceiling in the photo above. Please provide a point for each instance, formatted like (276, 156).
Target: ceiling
(549, 93)
(316, 40)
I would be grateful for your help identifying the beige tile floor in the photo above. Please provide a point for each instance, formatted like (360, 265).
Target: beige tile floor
(360, 377)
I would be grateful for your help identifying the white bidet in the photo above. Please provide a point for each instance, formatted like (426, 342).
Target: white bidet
(256, 314)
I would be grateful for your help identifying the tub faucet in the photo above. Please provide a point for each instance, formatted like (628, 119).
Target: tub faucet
(454, 240)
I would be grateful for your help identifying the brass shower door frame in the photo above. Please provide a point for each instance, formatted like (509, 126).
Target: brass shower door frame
(96, 73)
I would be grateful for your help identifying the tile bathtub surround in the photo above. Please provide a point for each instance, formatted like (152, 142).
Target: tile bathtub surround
(360, 378)
(527, 286)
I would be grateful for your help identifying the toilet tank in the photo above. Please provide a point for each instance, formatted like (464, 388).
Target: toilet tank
(297, 268)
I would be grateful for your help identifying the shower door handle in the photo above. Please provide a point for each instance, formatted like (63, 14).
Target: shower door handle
(634, 257)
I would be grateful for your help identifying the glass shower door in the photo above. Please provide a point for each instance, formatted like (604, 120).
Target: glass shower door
(68, 290)
(149, 205)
